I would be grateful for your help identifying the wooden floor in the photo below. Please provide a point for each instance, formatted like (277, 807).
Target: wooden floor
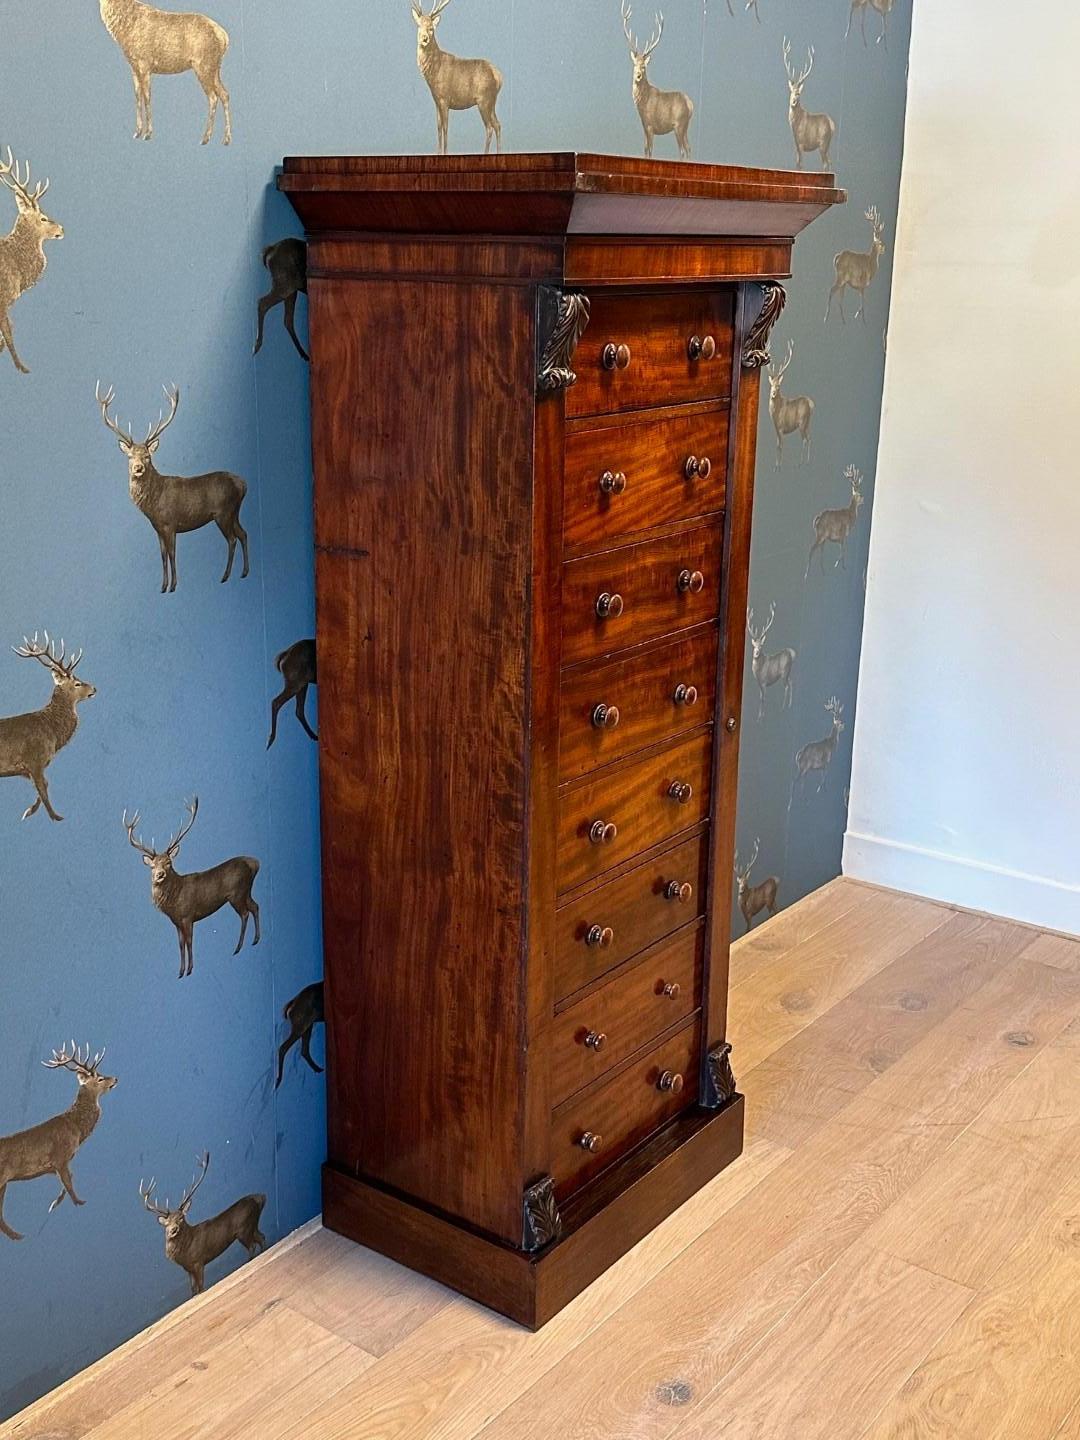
(896, 1255)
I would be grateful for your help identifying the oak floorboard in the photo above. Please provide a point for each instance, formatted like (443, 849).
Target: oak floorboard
(361, 1296)
(961, 1219)
(842, 1350)
(175, 1341)
(206, 1400)
(792, 1092)
(1070, 1426)
(729, 1288)
(1057, 950)
(466, 1364)
(774, 937)
(1009, 1368)
(818, 972)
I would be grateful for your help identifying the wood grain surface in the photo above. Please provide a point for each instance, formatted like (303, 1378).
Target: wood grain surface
(635, 797)
(646, 576)
(657, 327)
(644, 686)
(650, 449)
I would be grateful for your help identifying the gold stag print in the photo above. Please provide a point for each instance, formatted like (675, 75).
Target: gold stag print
(193, 1247)
(788, 412)
(661, 112)
(187, 899)
(456, 84)
(810, 132)
(29, 742)
(286, 262)
(49, 1147)
(835, 526)
(754, 898)
(816, 757)
(855, 269)
(881, 8)
(774, 669)
(297, 668)
(163, 42)
(22, 250)
(176, 504)
(303, 1012)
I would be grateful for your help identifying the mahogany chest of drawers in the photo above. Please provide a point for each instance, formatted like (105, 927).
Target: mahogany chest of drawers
(534, 409)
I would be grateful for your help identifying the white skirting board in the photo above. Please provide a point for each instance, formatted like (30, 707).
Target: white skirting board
(972, 884)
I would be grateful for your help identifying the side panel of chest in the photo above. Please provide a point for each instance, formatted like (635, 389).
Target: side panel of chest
(423, 436)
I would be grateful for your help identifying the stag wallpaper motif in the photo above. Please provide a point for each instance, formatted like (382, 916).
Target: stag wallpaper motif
(170, 262)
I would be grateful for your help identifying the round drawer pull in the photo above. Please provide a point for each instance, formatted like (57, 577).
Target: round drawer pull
(671, 990)
(612, 482)
(601, 935)
(609, 606)
(670, 1081)
(682, 893)
(601, 833)
(605, 717)
(681, 791)
(701, 349)
(615, 357)
(690, 580)
(590, 1142)
(595, 1040)
(697, 468)
(730, 724)
(685, 695)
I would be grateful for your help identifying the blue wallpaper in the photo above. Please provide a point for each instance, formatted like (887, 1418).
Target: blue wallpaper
(155, 283)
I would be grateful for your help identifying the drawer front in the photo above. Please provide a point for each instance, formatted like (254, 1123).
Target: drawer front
(657, 330)
(623, 1112)
(639, 592)
(614, 921)
(627, 1013)
(632, 476)
(614, 708)
(624, 810)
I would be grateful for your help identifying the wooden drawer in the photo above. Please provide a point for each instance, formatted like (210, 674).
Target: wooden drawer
(636, 907)
(648, 599)
(627, 1013)
(642, 471)
(627, 808)
(652, 695)
(657, 328)
(623, 1111)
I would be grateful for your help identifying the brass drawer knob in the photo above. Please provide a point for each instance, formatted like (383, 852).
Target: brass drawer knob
(701, 349)
(608, 606)
(595, 1040)
(730, 724)
(690, 580)
(615, 357)
(681, 791)
(590, 1142)
(682, 893)
(612, 482)
(685, 695)
(697, 468)
(601, 833)
(601, 935)
(605, 717)
(671, 990)
(670, 1081)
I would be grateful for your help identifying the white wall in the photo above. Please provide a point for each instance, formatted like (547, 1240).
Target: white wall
(966, 779)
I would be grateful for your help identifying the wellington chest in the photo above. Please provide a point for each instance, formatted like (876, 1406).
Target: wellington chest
(534, 409)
